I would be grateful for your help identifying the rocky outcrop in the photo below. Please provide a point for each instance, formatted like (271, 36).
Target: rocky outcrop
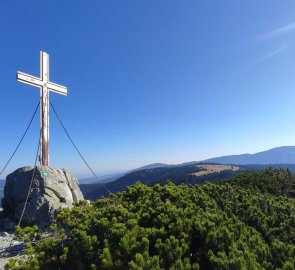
(51, 190)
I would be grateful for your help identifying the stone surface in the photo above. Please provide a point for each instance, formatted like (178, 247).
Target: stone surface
(10, 249)
(51, 189)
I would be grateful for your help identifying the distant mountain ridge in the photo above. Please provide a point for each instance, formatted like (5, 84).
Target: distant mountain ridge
(114, 176)
(102, 179)
(278, 155)
(152, 166)
(190, 174)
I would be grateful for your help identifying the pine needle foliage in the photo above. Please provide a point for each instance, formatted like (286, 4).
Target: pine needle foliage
(247, 222)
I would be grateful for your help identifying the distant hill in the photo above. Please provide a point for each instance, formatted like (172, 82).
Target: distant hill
(191, 174)
(278, 155)
(103, 179)
(152, 166)
(114, 176)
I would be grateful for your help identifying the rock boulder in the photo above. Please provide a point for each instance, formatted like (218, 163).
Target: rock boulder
(51, 190)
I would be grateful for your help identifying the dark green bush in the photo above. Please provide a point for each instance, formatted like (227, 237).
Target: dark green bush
(232, 225)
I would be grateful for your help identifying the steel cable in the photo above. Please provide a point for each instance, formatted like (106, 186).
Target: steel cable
(21, 140)
(27, 197)
(68, 135)
(30, 186)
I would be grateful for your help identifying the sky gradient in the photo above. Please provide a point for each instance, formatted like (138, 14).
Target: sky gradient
(149, 81)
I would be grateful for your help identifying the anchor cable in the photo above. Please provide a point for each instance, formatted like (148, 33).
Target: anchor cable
(27, 198)
(21, 140)
(68, 135)
(31, 183)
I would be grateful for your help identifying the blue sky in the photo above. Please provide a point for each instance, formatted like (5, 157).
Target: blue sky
(149, 81)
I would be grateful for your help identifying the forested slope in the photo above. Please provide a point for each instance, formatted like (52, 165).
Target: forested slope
(247, 222)
(177, 174)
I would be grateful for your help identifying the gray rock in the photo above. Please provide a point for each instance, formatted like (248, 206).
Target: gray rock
(51, 190)
(4, 234)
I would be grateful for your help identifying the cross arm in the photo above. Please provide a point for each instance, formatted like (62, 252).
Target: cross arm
(28, 79)
(54, 87)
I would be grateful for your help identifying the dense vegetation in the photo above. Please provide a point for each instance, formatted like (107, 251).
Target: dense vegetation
(278, 182)
(247, 222)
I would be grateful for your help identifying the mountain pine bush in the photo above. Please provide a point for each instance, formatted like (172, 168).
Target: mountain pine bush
(243, 223)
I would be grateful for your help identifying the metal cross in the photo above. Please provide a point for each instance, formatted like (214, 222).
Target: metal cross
(45, 86)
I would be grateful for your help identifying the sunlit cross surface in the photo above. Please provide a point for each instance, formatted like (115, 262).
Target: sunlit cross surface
(45, 87)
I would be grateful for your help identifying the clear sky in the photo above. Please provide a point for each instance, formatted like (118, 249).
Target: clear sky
(148, 80)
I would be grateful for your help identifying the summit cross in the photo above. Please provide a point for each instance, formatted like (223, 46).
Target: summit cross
(45, 87)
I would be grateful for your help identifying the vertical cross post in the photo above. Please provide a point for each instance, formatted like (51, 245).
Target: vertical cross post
(45, 87)
(44, 112)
